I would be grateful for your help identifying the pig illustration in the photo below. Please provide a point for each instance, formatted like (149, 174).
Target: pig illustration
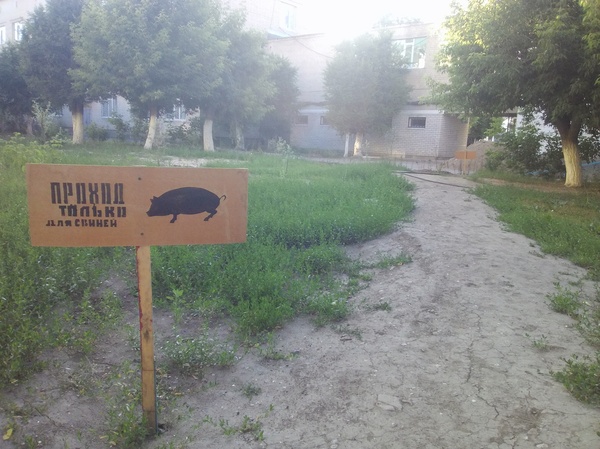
(185, 200)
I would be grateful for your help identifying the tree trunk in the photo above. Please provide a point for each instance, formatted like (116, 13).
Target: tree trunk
(28, 124)
(238, 137)
(347, 145)
(207, 134)
(569, 135)
(77, 120)
(152, 126)
(358, 142)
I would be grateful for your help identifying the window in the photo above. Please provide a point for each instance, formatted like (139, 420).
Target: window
(416, 122)
(301, 120)
(18, 31)
(324, 120)
(109, 107)
(288, 16)
(2, 35)
(179, 112)
(413, 51)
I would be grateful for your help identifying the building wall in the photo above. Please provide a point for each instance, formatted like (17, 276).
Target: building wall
(315, 133)
(276, 17)
(417, 77)
(309, 54)
(441, 137)
(13, 12)
(443, 134)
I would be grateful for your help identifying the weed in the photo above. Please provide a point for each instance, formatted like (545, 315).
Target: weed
(249, 425)
(565, 301)
(328, 308)
(346, 330)
(391, 261)
(269, 352)
(193, 355)
(580, 377)
(383, 305)
(251, 390)
(540, 343)
(176, 305)
(126, 427)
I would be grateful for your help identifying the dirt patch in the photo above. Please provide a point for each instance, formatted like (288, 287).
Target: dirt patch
(435, 355)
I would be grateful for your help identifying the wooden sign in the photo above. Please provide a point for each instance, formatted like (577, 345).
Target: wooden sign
(82, 205)
(77, 205)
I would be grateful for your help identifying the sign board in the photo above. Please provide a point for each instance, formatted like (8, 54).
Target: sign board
(82, 205)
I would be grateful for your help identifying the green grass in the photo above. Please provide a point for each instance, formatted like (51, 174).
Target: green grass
(300, 213)
(565, 223)
(292, 260)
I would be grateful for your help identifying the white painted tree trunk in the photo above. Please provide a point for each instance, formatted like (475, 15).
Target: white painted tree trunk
(358, 143)
(152, 127)
(569, 135)
(207, 135)
(347, 145)
(574, 175)
(239, 142)
(77, 121)
(29, 124)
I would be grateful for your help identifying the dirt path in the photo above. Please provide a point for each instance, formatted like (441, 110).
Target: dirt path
(435, 356)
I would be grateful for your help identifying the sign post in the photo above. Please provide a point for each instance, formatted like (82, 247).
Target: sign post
(80, 205)
(146, 337)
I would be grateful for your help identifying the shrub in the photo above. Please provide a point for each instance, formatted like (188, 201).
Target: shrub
(522, 149)
(529, 150)
(121, 127)
(96, 133)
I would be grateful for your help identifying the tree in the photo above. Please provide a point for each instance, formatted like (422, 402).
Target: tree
(507, 54)
(15, 97)
(154, 53)
(242, 96)
(47, 62)
(365, 86)
(283, 106)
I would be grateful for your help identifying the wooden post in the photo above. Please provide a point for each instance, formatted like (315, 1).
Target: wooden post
(146, 337)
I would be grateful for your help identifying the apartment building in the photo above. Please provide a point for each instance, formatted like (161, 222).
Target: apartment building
(419, 130)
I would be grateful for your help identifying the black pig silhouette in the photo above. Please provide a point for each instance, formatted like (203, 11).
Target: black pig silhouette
(185, 200)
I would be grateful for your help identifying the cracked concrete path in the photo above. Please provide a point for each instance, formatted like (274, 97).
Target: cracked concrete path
(450, 363)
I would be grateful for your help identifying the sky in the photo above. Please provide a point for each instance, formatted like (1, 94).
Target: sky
(352, 17)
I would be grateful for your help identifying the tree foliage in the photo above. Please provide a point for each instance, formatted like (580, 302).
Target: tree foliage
(365, 85)
(154, 53)
(47, 58)
(507, 54)
(15, 97)
(283, 106)
(246, 87)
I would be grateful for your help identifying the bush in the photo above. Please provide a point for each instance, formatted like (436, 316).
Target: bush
(522, 149)
(529, 150)
(96, 133)
(121, 127)
(189, 133)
